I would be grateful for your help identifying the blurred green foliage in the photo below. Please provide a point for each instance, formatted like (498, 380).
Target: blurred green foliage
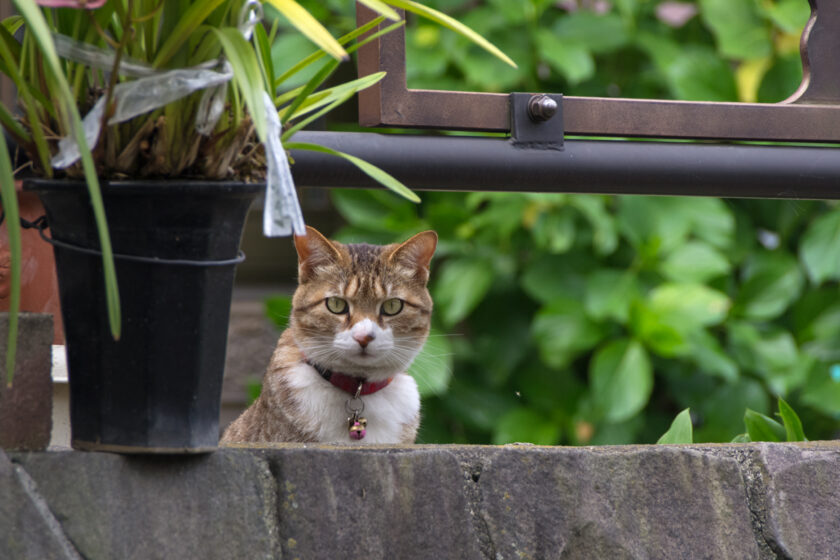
(582, 319)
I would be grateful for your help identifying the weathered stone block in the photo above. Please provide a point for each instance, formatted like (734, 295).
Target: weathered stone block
(616, 502)
(372, 503)
(27, 529)
(26, 407)
(308, 501)
(209, 506)
(803, 498)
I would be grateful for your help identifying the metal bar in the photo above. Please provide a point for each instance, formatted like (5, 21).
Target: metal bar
(811, 115)
(458, 163)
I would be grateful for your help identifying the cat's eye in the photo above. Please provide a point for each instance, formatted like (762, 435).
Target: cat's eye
(392, 306)
(336, 305)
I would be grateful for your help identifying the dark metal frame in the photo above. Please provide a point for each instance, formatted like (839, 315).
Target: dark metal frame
(812, 114)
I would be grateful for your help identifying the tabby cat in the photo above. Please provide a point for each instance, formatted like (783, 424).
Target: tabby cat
(359, 316)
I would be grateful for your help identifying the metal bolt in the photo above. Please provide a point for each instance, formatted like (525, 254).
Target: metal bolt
(541, 108)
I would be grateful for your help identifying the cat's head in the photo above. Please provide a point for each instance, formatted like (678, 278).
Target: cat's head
(360, 309)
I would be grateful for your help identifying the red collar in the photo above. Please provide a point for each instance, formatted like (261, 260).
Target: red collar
(348, 383)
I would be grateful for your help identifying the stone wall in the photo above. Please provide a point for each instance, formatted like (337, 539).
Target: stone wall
(516, 501)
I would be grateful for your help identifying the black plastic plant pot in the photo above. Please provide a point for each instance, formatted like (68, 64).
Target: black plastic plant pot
(157, 389)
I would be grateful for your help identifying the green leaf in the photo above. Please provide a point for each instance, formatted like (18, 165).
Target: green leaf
(377, 213)
(688, 306)
(790, 15)
(700, 75)
(554, 231)
(695, 261)
(562, 332)
(12, 218)
(454, 25)
(772, 282)
(820, 249)
(791, 421)
(712, 220)
(653, 330)
(763, 428)
(246, 69)
(279, 310)
(477, 406)
(738, 28)
(707, 353)
(330, 96)
(693, 72)
(385, 179)
(309, 26)
(524, 425)
(599, 33)
(772, 353)
(594, 209)
(621, 379)
(822, 390)
(816, 319)
(292, 43)
(551, 277)
(189, 21)
(722, 408)
(680, 430)
(461, 285)
(432, 368)
(263, 48)
(656, 223)
(381, 8)
(609, 294)
(781, 79)
(571, 59)
(38, 27)
(501, 362)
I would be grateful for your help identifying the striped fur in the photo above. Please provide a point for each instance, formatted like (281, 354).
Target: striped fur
(296, 403)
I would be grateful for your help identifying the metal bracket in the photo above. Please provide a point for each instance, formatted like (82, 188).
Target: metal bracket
(536, 121)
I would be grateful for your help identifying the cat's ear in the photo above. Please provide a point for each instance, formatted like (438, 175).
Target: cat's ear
(415, 254)
(314, 251)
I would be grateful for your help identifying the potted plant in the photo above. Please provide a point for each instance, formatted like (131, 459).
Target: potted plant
(184, 121)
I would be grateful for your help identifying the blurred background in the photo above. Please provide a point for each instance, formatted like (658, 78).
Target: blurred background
(583, 319)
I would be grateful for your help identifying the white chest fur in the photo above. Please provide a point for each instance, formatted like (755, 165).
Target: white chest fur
(323, 404)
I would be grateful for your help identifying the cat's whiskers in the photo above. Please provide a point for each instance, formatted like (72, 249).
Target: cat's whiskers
(347, 294)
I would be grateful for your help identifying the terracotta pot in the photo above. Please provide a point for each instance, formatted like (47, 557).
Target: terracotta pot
(39, 286)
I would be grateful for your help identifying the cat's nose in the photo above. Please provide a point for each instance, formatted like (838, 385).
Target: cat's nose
(363, 338)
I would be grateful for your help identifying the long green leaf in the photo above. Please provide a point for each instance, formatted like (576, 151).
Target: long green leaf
(246, 72)
(36, 25)
(264, 51)
(8, 121)
(791, 422)
(325, 97)
(309, 26)
(454, 25)
(10, 208)
(310, 86)
(38, 137)
(381, 8)
(299, 125)
(189, 22)
(317, 55)
(370, 170)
